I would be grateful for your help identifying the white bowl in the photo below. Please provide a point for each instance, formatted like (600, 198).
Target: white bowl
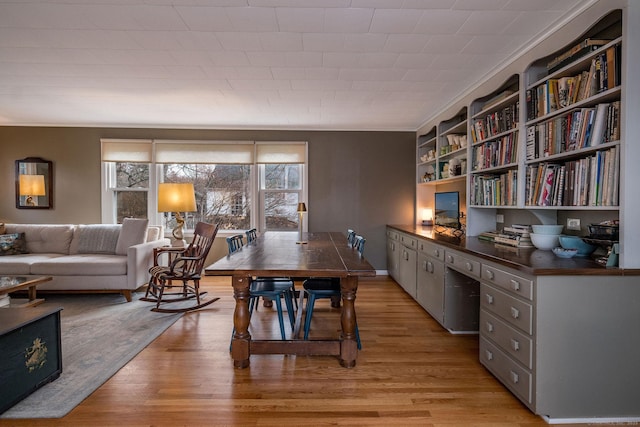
(544, 241)
(547, 229)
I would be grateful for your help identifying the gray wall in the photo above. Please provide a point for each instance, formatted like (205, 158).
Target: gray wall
(359, 180)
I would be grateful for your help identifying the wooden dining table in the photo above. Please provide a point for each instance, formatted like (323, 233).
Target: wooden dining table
(281, 254)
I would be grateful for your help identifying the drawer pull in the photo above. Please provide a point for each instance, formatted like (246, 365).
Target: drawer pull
(437, 252)
(405, 255)
(489, 298)
(490, 274)
(514, 377)
(515, 313)
(430, 267)
(450, 259)
(488, 355)
(515, 344)
(490, 327)
(515, 285)
(469, 266)
(425, 265)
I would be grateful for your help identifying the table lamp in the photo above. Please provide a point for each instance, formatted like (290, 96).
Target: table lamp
(31, 185)
(302, 208)
(176, 197)
(427, 216)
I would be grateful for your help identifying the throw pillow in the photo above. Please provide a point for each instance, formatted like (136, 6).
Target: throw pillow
(134, 232)
(13, 244)
(97, 239)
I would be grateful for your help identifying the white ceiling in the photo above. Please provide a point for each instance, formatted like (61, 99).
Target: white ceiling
(291, 64)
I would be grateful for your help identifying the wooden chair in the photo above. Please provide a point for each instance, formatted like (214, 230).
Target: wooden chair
(318, 288)
(185, 267)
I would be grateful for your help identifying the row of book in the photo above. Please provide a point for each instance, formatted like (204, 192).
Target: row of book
(495, 123)
(590, 181)
(495, 189)
(579, 128)
(554, 94)
(499, 152)
(515, 236)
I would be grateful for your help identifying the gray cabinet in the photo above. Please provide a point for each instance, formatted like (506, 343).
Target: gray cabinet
(393, 253)
(407, 264)
(430, 286)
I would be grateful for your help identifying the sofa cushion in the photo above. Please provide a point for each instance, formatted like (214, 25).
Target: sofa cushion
(133, 232)
(2, 228)
(45, 238)
(13, 244)
(82, 265)
(95, 239)
(21, 264)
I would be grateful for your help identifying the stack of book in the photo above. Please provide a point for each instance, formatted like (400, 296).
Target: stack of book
(518, 236)
(489, 236)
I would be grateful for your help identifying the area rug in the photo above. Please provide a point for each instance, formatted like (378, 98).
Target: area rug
(100, 334)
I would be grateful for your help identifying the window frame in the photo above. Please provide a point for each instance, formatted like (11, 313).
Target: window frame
(258, 220)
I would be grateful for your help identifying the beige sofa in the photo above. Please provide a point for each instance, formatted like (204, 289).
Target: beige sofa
(94, 258)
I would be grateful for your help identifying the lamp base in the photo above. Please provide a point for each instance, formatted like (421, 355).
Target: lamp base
(427, 222)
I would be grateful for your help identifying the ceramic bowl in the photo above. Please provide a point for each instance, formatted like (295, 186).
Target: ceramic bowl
(564, 253)
(575, 242)
(544, 241)
(547, 229)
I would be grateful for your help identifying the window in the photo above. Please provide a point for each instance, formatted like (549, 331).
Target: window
(238, 184)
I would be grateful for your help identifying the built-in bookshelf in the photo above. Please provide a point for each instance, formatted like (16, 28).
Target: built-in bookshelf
(573, 125)
(426, 155)
(494, 130)
(452, 149)
(547, 142)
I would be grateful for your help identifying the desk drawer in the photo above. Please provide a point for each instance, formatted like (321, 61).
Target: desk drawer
(431, 249)
(517, 379)
(393, 235)
(516, 344)
(408, 241)
(519, 285)
(463, 264)
(512, 310)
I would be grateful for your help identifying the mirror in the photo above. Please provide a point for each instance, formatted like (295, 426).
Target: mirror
(34, 179)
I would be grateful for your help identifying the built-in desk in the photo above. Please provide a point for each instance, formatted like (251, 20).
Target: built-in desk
(560, 334)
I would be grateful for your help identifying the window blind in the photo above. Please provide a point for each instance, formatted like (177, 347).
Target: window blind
(219, 152)
(126, 150)
(276, 153)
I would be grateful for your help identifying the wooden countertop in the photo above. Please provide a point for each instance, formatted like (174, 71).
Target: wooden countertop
(528, 260)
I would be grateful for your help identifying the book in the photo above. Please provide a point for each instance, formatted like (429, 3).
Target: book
(575, 52)
(597, 135)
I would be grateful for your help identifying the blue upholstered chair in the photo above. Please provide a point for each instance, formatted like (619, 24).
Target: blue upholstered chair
(271, 289)
(319, 288)
(234, 243)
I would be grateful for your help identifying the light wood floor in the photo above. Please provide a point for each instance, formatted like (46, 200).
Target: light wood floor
(409, 372)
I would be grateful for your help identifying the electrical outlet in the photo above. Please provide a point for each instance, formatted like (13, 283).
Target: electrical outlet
(573, 223)
(499, 218)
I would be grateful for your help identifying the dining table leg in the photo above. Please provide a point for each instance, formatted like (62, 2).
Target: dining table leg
(348, 344)
(241, 341)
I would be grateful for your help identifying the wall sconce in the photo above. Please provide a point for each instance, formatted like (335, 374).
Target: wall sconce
(427, 217)
(302, 208)
(30, 186)
(176, 197)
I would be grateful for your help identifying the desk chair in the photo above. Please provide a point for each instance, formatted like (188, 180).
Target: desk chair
(318, 288)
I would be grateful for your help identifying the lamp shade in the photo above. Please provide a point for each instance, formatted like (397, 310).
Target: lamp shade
(32, 185)
(176, 197)
(302, 207)
(427, 214)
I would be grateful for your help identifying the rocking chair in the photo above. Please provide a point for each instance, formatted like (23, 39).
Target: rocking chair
(185, 265)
